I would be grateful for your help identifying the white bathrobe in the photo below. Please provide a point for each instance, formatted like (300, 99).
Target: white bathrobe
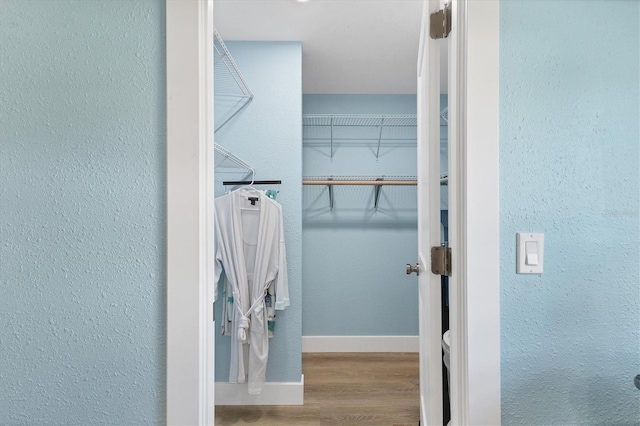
(250, 249)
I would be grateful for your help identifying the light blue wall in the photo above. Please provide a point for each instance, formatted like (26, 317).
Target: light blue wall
(82, 216)
(268, 136)
(569, 161)
(354, 257)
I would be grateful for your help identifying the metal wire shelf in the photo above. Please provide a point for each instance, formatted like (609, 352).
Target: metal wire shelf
(395, 129)
(334, 128)
(352, 120)
(232, 93)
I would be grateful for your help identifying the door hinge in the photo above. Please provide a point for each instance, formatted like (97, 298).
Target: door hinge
(440, 23)
(441, 260)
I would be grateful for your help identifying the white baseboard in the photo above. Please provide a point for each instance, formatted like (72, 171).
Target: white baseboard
(273, 393)
(360, 344)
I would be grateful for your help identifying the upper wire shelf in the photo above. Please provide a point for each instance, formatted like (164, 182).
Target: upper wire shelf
(232, 93)
(408, 120)
(399, 129)
(333, 128)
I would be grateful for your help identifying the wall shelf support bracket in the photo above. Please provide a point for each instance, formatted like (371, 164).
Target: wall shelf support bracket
(380, 137)
(378, 188)
(332, 138)
(330, 195)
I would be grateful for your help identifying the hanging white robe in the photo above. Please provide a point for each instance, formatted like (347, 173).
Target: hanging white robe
(250, 249)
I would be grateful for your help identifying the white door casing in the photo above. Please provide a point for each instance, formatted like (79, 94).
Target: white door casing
(476, 361)
(190, 237)
(428, 157)
(474, 286)
(458, 372)
(480, 218)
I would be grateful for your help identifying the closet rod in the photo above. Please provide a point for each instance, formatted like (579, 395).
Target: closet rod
(249, 182)
(360, 182)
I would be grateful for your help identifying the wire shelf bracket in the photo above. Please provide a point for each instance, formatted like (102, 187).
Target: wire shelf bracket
(377, 194)
(227, 155)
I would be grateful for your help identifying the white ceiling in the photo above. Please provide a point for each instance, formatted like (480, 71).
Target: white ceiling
(349, 46)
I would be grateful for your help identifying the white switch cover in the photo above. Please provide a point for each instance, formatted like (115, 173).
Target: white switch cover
(530, 253)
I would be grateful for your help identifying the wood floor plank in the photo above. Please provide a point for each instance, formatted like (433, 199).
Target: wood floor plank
(344, 389)
(373, 416)
(307, 415)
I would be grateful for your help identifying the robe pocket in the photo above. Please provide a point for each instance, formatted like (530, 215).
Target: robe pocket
(259, 313)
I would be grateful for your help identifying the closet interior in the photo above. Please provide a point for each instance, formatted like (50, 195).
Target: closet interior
(344, 169)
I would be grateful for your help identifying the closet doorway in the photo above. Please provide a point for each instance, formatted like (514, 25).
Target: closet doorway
(359, 217)
(376, 198)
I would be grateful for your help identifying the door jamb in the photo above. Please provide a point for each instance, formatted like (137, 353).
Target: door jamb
(458, 372)
(190, 228)
(475, 234)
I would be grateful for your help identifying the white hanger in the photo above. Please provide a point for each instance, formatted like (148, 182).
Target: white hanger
(250, 186)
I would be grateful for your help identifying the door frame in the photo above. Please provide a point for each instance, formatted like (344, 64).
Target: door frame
(476, 261)
(190, 227)
(474, 221)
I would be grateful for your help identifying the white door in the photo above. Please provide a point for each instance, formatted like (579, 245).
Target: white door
(428, 114)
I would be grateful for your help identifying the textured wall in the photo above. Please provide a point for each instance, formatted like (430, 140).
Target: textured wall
(569, 161)
(354, 257)
(82, 217)
(268, 136)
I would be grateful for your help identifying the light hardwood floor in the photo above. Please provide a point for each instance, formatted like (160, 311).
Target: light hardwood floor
(344, 389)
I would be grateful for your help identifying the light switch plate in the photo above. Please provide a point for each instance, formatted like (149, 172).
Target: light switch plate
(529, 253)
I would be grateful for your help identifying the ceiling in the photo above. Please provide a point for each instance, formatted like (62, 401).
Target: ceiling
(348, 46)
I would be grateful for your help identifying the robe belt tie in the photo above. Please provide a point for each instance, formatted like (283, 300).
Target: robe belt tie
(243, 326)
(244, 321)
